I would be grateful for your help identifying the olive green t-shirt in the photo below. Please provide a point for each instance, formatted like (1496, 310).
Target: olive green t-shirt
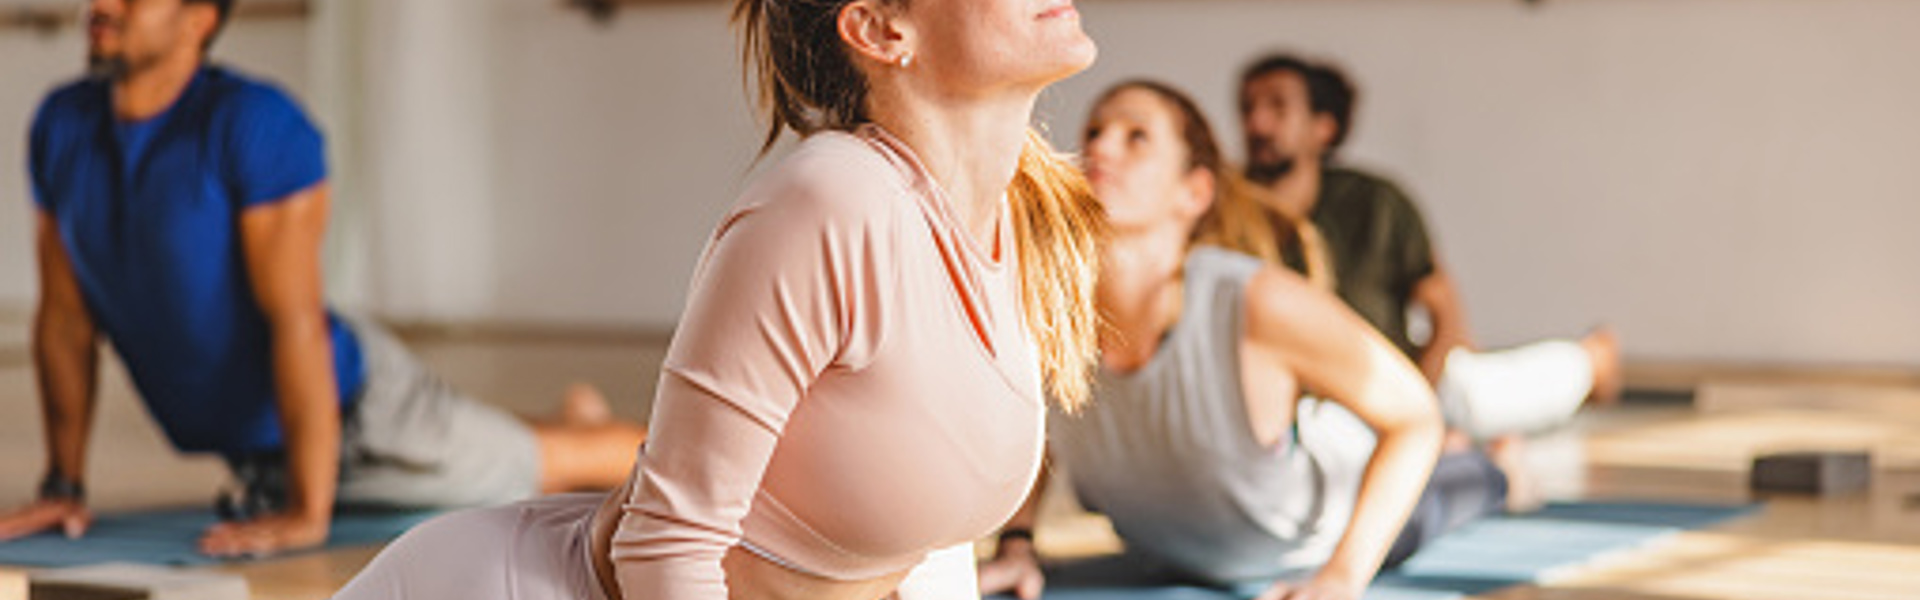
(1378, 245)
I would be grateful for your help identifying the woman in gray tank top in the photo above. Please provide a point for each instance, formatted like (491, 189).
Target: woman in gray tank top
(1202, 446)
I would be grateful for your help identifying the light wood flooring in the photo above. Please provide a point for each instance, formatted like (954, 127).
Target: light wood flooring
(1860, 546)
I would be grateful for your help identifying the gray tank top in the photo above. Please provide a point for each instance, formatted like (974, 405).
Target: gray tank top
(1167, 452)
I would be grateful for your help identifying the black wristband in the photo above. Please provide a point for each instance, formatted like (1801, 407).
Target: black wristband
(57, 487)
(1016, 533)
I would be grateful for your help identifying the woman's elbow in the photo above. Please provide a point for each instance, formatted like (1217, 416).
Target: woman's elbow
(1417, 420)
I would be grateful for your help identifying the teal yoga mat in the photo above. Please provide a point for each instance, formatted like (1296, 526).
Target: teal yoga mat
(1488, 554)
(170, 537)
(1483, 556)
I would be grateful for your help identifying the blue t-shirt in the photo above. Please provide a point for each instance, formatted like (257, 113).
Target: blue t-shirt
(150, 214)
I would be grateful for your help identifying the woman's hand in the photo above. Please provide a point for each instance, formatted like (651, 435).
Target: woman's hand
(1015, 569)
(1323, 586)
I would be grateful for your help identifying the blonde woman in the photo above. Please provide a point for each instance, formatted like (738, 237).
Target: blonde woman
(1201, 446)
(855, 392)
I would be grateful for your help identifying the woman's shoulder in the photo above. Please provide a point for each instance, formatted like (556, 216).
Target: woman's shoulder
(1209, 262)
(832, 175)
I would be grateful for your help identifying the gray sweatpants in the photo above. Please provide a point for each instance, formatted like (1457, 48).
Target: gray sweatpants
(408, 440)
(411, 440)
(1465, 486)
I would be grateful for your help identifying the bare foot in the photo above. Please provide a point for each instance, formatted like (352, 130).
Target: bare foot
(1508, 454)
(583, 404)
(1603, 347)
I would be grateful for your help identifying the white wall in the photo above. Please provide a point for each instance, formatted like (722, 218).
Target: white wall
(512, 161)
(1721, 179)
(32, 63)
(621, 147)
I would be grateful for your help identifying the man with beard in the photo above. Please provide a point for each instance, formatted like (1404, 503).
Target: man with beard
(180, 210)
(1295, 115)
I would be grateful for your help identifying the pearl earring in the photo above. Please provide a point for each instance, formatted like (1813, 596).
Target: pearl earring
(906, 60)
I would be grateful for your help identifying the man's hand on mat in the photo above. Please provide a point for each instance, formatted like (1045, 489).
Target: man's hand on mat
(264, 536)
(1323, 586)
(1015, 568)
(71, 517)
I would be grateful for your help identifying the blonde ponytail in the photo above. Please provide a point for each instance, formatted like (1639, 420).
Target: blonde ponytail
(1058, 226)
(1239, 222)
(792, 54)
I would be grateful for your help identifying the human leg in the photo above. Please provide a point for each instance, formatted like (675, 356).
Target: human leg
(585, 446)
(416, 441)
(1603, 351)
(412, 440)
(1465, 486)
(1515, 391)
(531, 550)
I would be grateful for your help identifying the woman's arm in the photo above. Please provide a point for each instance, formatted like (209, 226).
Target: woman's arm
(782, 295)
(1016, 560)
(1337, 355)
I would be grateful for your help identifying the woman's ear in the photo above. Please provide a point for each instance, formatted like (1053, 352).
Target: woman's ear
(872, 30)
(1200, 184)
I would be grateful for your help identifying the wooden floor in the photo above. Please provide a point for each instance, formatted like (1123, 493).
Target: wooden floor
(1861, 546)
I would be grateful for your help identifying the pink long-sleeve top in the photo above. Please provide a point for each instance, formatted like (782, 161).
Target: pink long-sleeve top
(851, 386)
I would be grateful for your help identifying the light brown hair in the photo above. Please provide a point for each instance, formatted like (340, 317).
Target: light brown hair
(1236, 220)
(807, 82)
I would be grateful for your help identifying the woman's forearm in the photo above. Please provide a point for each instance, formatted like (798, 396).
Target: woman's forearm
(1389, 489)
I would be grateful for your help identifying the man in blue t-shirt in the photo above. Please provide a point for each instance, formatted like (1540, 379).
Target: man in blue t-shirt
(180, 210)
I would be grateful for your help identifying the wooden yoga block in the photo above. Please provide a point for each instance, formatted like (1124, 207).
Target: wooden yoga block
(1812, 472)
(123, 581)
(13, 584)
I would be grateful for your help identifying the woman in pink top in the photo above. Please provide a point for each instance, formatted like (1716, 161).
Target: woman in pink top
(855, 391)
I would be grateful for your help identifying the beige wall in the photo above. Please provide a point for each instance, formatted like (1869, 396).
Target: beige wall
(1721, 179)
(31, 63)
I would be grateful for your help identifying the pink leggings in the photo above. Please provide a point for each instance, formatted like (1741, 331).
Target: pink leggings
(529, 550)
(538, 550)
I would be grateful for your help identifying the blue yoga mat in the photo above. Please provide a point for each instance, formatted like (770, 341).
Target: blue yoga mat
(171, 537)
(1483, 556)
(1490, 553)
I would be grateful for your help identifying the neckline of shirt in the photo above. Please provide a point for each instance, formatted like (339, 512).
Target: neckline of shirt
(936, 203)
(193, 85)
(1181, 327)
(942, 205)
